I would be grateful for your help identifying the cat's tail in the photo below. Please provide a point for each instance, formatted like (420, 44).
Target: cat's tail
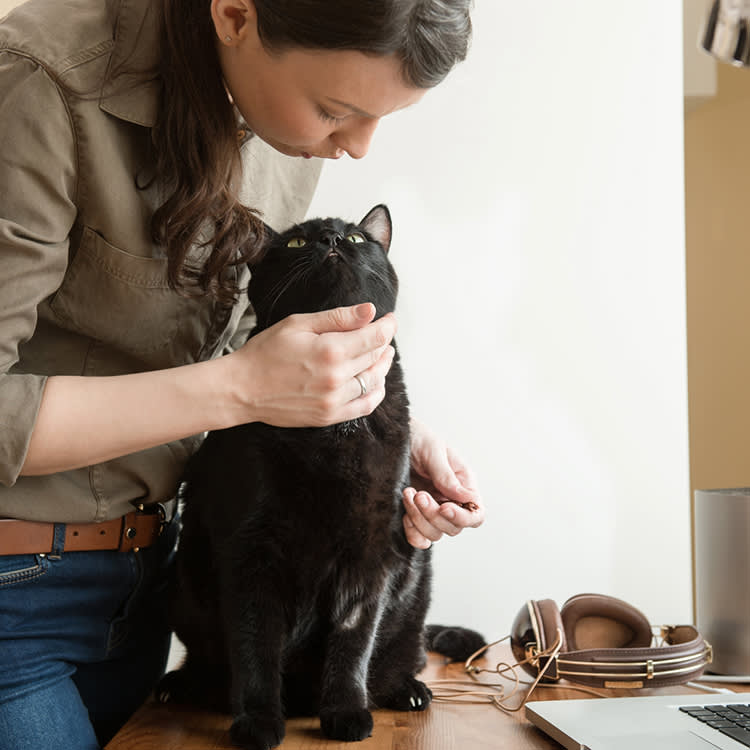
(455, 642)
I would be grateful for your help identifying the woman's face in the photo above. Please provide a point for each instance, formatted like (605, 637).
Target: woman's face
(311, 102)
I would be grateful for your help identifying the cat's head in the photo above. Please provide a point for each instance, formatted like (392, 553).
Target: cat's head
(324, 263)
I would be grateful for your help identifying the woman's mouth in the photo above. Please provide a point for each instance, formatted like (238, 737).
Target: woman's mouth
(337, 154)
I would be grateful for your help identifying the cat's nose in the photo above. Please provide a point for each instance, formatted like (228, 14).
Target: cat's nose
(332, 238)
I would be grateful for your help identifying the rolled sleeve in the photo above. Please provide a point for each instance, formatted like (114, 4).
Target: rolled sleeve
(37, 211)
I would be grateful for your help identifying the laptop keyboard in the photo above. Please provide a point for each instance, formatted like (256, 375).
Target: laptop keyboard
(731, 719)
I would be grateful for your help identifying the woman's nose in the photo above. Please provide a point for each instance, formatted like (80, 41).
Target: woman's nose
(355, 139)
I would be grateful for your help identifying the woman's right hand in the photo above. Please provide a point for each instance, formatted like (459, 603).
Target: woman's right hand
(301, 371)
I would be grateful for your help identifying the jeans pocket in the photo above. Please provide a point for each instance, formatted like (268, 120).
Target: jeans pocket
(121, 625)
(16, 569)
(143, 613)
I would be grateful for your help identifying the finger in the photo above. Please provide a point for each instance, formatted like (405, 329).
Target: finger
(353, 320)
(374, 362)
(413, 536)
(448, 484)
(462, 517)
(441, 521)
(341, 318)
(360, 406)
(360, 381)
(373, 377)
(453, 480)
(424, 513)
(360, 348)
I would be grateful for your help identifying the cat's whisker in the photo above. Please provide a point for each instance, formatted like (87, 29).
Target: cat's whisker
(296, 273)
(299, 263)
(377, 274)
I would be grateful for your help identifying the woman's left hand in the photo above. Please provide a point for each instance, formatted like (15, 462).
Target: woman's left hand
(444, 498)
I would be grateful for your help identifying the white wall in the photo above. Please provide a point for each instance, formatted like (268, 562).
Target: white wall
(538, 205)
(537, 198)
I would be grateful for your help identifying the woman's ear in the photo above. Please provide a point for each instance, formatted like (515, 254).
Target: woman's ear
(234, 20)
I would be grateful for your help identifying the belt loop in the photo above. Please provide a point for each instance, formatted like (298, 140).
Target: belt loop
(58, 542)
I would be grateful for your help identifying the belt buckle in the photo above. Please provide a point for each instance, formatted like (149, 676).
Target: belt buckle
(129, 532)
(154, 509)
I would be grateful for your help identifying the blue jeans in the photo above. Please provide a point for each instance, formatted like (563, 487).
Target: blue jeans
(83, 640)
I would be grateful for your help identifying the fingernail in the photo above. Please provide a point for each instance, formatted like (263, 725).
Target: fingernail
(363, 310)
(449, 514)
(422, 501)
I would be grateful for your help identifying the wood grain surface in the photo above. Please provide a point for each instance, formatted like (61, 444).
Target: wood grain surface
(444, 726)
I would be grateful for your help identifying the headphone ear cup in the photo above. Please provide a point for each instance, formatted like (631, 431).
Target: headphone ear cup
(550, 619)
(537, 624)
(595, 621)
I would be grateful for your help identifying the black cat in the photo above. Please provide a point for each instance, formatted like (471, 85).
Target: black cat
(297, 591)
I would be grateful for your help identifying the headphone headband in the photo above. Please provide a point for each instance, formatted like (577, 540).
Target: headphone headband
(611, 645)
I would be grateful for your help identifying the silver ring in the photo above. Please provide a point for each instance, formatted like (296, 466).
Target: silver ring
(362, 385)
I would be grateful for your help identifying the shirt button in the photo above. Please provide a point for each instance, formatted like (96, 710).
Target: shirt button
(241, 135)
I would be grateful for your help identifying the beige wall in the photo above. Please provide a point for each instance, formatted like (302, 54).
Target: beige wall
(717, 195)
(717, 175)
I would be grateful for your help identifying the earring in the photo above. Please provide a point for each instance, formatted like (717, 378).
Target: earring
(227, 38)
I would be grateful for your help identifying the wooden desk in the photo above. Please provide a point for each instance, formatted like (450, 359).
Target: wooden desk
(443, 726)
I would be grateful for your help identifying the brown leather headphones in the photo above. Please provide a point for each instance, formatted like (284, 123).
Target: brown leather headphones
(601, 641)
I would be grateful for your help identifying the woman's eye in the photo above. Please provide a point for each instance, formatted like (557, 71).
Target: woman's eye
(297, 242)
(326, 117)
(355, 237)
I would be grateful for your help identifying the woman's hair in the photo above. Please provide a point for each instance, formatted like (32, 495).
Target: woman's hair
(428, 36)
(195, 137)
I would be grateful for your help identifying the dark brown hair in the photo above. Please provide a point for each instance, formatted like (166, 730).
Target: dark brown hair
(195, 141)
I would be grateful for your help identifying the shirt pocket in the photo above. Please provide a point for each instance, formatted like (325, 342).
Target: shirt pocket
(124, 301)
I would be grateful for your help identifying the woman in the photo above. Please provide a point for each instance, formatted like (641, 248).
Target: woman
(134, 133)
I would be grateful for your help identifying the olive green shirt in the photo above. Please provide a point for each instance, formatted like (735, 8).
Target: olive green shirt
(83, 289)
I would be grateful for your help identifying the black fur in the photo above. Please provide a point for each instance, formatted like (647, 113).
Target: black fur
(456, 643)
(297, 592)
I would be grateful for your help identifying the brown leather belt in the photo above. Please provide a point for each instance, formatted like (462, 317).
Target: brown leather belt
(131, 532)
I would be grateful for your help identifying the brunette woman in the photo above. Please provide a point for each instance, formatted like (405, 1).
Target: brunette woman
(141, 143)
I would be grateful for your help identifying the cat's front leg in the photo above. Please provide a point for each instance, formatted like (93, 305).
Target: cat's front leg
(400, 654)
(255, 631)
(344, 714)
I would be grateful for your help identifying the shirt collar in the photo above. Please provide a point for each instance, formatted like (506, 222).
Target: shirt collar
(132, 87)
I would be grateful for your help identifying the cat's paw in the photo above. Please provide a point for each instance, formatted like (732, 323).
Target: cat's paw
(257, 731)
(186, 686)
(173, 687)
(413, 695)
(347, 725)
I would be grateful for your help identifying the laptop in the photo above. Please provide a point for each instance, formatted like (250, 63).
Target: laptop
(655, 722)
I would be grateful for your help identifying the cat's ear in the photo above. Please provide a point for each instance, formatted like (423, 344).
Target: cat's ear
(270, 235)
(378, 225)
(267, 238)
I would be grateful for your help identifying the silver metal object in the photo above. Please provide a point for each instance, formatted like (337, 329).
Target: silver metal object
(726, 34)
(362, 385)
(722, 576)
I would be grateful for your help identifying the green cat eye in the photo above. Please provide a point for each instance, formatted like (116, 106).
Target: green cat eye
(355, 237)
(297, 242)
